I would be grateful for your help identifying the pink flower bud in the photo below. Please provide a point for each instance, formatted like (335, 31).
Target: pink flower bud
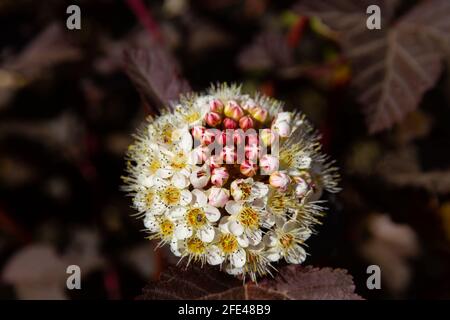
(229, 154)
(208, 137)
(301, 187)
(213, 119)
(219, 176)
(267, 137)
(218, 197)
(200, 177)
(245, 123)
(216, 105)
(248, 168)
(215, 161)
(198, 132)
(251, 152)
(233, 110)
(283, 128)
(199, 155)
(279, 180)
(229, 123)
(269, 163)
(259, 114)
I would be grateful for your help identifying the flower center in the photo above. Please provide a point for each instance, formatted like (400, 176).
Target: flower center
(154, 166)
(196, 217)
(246, 190)
(179, 162)
(167, 132)
(286, 240)
(149, 198)
(192, 116)
(195, 245)
(249, 218)
(171, 195)
(228, 243)
(166, 227)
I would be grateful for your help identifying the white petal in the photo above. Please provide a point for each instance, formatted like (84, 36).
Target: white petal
(186, 141)
(150, 223)
(214, 256)
(296, 255)
(212, 213)
(182, 231)
(206, 234)
(186, 197)
(235, 228)
(237, 259)
(242, 240)
(223, 225)
(164, 173)
(255, 237)
(176, 212)
(200, 197)
(175, 247)
(273, 255)
(233, 207)
(180, 181)
(270, 239)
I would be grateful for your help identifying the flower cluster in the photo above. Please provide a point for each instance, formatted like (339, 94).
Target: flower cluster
(229, 179)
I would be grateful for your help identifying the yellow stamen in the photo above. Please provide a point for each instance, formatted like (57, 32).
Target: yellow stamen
(228, 243)
(249, 218)
(196, 217)
(195, 246)
(171, 195)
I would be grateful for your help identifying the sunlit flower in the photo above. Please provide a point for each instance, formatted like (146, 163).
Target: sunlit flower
(202, 179)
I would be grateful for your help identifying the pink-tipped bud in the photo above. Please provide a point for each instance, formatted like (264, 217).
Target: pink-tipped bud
(282, 128)
(229, 155)
(229, 123)
(198, 132)
(251, 152)
(199, 155)
(267, 137)
(218, 197)
(248, 168)
(213, 119)
(233, 110)
(208, 137)
(301, 187)
(259, 114)
(219, 176)
(216, 105)
(246, 122)
(215, 161)
(279, 180)
(269, 164)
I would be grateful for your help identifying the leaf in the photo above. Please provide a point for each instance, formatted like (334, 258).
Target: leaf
(49, 48)
(156, 75)
(291, 283)
(401, 168)
(392, 67)
(269, 49)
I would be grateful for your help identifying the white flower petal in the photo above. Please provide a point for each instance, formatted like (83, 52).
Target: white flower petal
(235, 228)
(200, 197)
(242, 240)
(150, 223)
(206, 234)
(237, 259)
(212, 213)
(164, 173)
(176, 212)
(214, 256)
(182, 231)
(233, 207)
(186, 197)
(180, 181)
(296, 255)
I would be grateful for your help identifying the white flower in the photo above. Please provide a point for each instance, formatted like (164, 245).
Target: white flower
(248, 189)
(285, 241)
(167, 196)
(279, 180)
(160, 227)
(226, 248)
(244, 221)
(178, 166)
(283, 128)
(196, 217)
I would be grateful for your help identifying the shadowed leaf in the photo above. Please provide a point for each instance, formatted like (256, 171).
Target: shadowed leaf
(291, 283)
(392, 67)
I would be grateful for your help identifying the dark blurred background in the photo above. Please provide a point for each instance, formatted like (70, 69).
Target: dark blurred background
(68, 110)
